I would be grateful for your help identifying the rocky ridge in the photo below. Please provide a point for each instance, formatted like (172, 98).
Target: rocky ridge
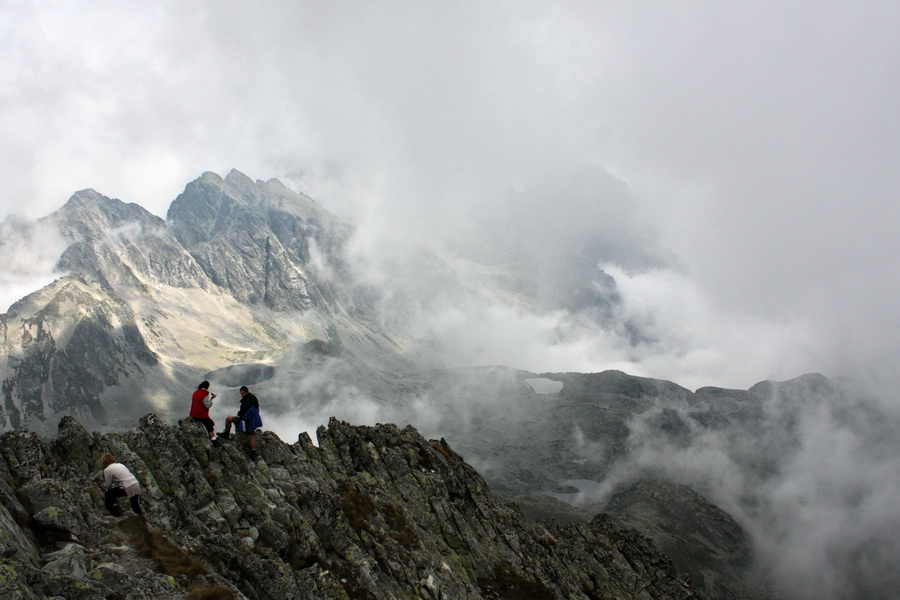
(372, 512)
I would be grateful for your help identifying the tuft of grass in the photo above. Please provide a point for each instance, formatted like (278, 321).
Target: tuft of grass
(400, 529)
(358, 507)
(438, 447)
(210, 592)
(508, 583)
(169, 558)
(300, 561)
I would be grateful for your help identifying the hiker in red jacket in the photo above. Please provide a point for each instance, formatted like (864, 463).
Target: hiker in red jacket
(201, 402)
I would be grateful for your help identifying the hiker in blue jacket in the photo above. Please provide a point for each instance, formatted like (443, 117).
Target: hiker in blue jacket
(247, 420)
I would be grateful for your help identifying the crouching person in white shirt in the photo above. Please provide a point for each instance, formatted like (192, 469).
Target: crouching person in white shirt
(119, 481)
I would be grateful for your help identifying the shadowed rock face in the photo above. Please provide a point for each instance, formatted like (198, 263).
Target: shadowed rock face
(61, 348)
(373, 512)
(703, 540)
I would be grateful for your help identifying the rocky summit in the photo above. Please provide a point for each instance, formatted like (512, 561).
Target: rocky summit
(371, 512)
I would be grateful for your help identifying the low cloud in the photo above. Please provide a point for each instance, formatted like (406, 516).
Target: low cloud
(813, 483)
(694, 340)
(752, 146)
(30, 252)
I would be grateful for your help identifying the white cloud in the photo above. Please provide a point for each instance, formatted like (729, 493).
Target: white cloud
(814, 488)
(30, 252)
(695, 340)
(758, 142)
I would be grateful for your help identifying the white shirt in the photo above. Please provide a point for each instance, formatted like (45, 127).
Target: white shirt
(118, 474)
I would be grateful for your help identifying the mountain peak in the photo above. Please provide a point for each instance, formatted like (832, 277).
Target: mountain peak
(237, 178)
(89, 214)
(86, 195)
(798, 386)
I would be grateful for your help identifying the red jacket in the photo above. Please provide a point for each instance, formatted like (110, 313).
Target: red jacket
(197, 409)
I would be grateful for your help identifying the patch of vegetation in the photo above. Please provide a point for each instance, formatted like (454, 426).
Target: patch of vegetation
(210, 592)
(299, 561)
(400, 529)
(169, 558)
(507, 583)
(440, 450)
(358, 507)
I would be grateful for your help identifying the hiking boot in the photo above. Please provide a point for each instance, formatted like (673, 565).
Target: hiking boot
(222, 435)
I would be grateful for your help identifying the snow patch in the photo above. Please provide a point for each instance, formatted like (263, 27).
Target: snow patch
(542, 385)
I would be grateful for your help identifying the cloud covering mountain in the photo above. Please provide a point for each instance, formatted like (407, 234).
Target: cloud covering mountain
(753, 147)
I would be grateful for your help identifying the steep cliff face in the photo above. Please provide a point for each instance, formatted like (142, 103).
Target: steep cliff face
(61, 348)
(372, 512)
(260, 242)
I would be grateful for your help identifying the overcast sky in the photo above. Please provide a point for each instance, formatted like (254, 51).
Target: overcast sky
(757, 143)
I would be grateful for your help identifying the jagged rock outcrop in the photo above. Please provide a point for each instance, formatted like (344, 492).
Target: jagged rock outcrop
(372, 512)
(122, 246)
(259, 242)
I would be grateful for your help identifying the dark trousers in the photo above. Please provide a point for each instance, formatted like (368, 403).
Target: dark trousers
(206, 422)
(112, 501)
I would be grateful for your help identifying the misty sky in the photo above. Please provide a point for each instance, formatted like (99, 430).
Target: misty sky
(757, 144)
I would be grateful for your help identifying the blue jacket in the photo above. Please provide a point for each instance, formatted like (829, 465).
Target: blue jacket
(250, 421)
